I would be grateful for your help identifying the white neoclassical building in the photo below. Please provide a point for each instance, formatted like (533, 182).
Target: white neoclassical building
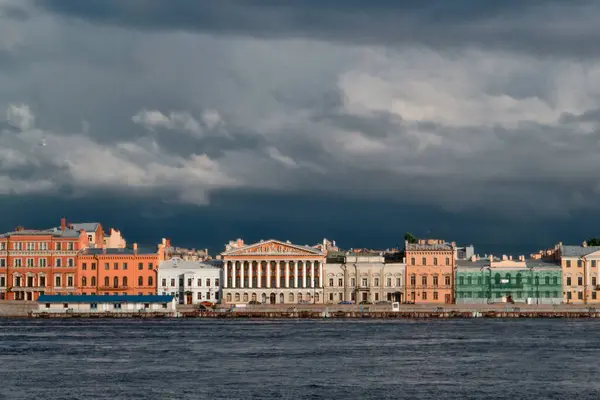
(272, 272)
(190, 282)
(364, 277)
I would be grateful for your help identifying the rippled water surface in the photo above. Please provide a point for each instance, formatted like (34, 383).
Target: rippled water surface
(192, 359)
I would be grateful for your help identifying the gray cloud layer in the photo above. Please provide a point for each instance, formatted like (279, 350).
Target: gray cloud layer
(452, 104)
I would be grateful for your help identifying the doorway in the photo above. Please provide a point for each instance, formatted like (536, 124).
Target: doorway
(188, 298)
(272, 298)
(447, 299)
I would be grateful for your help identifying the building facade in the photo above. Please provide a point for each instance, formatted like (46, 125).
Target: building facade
(272, 272)
(495, 280)
(35, 262)
(580, 266)
(190, 282)
(430, 271)
(119, 271)
(105, 304)
(363, 278)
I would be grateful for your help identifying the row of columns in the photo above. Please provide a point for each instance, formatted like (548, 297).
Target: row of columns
(307, 266)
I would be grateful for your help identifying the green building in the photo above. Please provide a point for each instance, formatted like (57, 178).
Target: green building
(495, 281)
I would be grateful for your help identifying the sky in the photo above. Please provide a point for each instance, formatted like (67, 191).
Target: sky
(204, 121)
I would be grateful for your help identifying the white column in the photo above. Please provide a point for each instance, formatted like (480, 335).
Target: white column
(305, 275)
(250, 274)
(314, 274)
(287, 275)
(259, 274)
(268, 274)
(278, 275)
(224, 285)
(295, 274)
(242, 274)
(233, 272)
(320, 274)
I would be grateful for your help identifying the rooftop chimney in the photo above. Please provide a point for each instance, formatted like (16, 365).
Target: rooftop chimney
(584, 244)
(510, 258)
(135, 247)
(63, 224)
(504, 257)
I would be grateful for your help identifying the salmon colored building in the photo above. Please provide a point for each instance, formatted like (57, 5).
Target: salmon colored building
(430, 271)
(35, 262)
(123, 271)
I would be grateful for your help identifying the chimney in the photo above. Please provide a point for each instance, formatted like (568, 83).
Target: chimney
(135, 247)
(453, 244)
(63, 224)
(510, 258)
(473, 258)
(584, 244)
(504, 257)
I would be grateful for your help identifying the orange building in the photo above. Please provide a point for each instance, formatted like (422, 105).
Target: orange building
(124, 271)
(35, 262)
(430, 271)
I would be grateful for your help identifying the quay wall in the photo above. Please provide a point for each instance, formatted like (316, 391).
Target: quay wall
(10, 308)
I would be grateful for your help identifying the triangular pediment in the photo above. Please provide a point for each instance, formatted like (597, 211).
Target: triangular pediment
(273, 248)
(595, 254)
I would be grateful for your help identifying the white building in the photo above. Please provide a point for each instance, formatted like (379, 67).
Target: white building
(190, 282)
(77, 304)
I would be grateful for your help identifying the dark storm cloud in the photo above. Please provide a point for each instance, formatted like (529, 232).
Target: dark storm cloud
(546, 26)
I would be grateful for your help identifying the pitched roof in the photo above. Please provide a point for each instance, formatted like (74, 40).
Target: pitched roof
(179, 264)
(86, 226)
(56, 232)
(578, 251)
(243, 249)
(117, 251)
(429, 247)
(48, 298)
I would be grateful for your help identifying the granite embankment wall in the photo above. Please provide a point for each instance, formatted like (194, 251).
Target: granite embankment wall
(10, 308)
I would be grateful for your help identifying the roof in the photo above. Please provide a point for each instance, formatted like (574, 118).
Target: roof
(117, 251)
(86, 226)
(485, 263)
(578, 251)
(56, 232)
(179, 264)
(47, 298)
(245, 248)
(429, 247)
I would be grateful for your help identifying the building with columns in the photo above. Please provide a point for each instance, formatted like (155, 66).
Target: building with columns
(580, 271)
(272, 272)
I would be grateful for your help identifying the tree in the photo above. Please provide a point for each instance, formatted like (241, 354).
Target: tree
(410, 238)
(595, 241)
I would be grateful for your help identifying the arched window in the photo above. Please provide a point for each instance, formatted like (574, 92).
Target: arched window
(316, 297)
(116, 281)
(555, 280)
(447, 280)
(245, 297)
(124, 281)
(106, 281)
(547, 281)
(93, 281)
(150, 281)
(461, 280)
(469, 280)
(229, 297)
(291, 297)
(413, 279)
(84, 281)
(537, 280)
(479, 280)
(140, 281)
(508, 278)
(253, 296)
(519, 278)
(237, 297)
(497, 279)
(281, 298)
(299, 297)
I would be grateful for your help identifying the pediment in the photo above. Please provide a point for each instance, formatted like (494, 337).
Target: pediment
(595, 254)
(273, 248)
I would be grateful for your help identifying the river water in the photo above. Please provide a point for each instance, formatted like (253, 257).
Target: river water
(305, 359)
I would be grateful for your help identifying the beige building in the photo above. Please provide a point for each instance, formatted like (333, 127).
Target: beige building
(580, 268)
(363, 277)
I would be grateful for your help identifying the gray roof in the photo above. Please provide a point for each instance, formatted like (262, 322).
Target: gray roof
(86, 226)
(177, 263)
(529, 263)
(578, 251)
(417, 246)
(56, 232)
(140, 250)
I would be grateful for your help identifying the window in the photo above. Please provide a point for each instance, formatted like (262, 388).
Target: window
(93, 281)
(140, 281)
(480, 280)
(568, 263)
(84, 281)
(376, 282)
(116, 266)
(330, 282)
(461, 280)
(93, 266)
(365, 282)
(200, 282)
(208, 295)
(447, 260)
(65, 305)
(424, 280)
(435, 280)
(580, 280)
(546, 280)
(125, 281)
(398, 282)
(593, 263)
(94, 306)
(150, 266)
(413, 279)
(57, 281)
(424, 295)
(70, 246)
(150, 281)
(125, 266)
(17, 262)
(2, 281)
(593, 281)
(579, 263)
(30, 246)
(388, 282)
(43, 246)
(216, 282)
(568, 281)
(117, 306)
(58, 246)
(424, 261)
(30, 262)
(579, 295)
(434, 260)
(469, 280)
(447, 280)
(435, 295)
(568, 295)
(106, 266)
(555, 280)
(70, 281)
(173, 282)
(330, 296)
(412, 261)
(42, 262)
(164, 282)
(594, 295)
(340, 282)
(84, 266)
(199, 296)
(140, 266)
(2, 246)
(208, 282)
(106, 281)
(353, 282)
(2, 262)
(17, 246)
(189, 282)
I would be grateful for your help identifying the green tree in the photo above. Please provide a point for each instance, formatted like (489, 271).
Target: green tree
(595, 241)
(410, 238)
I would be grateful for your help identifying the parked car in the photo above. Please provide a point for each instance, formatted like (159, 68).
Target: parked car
(365, 302)
(346, 302)
(207, 304)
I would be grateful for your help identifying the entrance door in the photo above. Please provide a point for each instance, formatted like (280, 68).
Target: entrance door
(29, 296)
(447, 299)
(188, 298)
(272, 298)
